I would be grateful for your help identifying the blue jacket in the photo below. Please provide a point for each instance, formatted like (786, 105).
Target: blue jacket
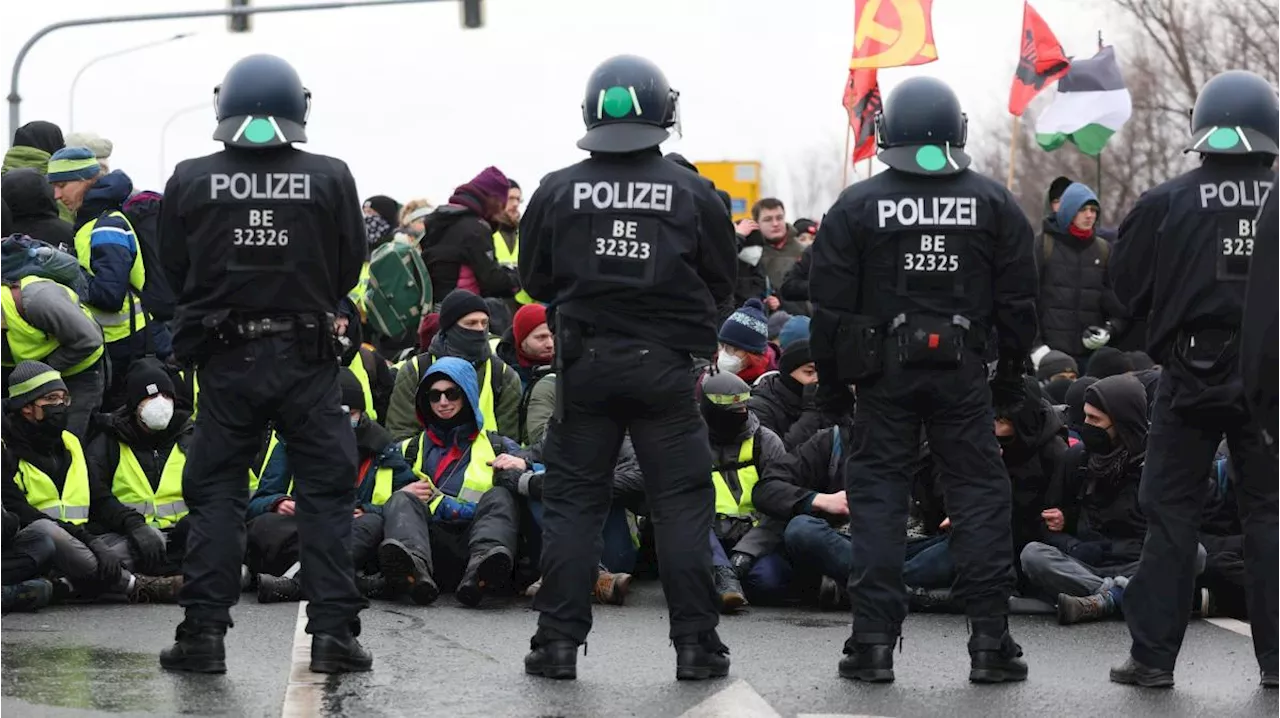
(277, 477)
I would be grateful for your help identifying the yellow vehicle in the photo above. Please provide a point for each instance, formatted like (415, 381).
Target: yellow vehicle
(741, 179)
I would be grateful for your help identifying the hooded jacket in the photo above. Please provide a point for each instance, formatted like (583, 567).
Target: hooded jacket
(151, 449)
(1075, 292)
(375, 450)
(448, 447)
(1032, 460)
(766, 537)
(783, 406)
(458, 250)
(788, 486)
(35, 212)
(400, 419)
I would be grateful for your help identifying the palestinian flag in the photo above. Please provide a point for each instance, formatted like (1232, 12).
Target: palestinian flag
(1091, 105)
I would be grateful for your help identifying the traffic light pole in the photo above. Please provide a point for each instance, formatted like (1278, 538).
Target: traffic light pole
(15, 100)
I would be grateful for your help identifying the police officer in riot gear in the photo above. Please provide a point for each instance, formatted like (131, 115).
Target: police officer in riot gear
(263, 241)
(636, 257)
(918, 273)
(1183, 260)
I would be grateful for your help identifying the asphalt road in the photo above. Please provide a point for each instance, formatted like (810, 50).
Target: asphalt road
(448, 660)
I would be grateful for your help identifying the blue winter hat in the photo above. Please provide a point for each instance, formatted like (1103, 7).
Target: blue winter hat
(746, 328)
(797, 327)
(1073, 199)
(73, 163)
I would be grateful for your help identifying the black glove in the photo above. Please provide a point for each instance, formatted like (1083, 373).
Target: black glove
(149, 545)
(109, 569)
(741, 563)
(834, 400)
(508, 479)
(1008, 391)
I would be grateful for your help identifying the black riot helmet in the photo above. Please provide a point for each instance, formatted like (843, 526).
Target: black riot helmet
(628, 106)
(261, 103)
(921, 129)
(1236, 113)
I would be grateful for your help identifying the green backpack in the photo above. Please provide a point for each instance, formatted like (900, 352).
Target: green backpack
(399, 289)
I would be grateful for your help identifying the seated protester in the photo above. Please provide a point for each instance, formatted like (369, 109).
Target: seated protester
(741, 450)
(529, 346)
(454, 530)
(1055, 392)
(27, 557)
(783, 400)
(796, 328)
(1056, 365)
(46, 483)
(1091, 550)
(1108, 361)
(44, 321)
(370, 370)
(536, 408)
(1075, 405)
(806, 489)
(463, 333)
(272, 551)
(744, 343)
(139, 450)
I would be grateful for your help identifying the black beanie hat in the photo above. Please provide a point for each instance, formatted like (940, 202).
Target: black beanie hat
(796, 355)
(146, 378)
(387, 208)
(352, 392)
(1108, 361)
(458, 304)
(1058, 186)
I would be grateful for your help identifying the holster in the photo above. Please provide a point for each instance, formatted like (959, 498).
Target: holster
(859, 345)
(315, 337)
(1203, 375)
(569, 348)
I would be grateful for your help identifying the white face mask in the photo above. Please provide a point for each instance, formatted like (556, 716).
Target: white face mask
(729, 363)
(156, 412)
(751, 255)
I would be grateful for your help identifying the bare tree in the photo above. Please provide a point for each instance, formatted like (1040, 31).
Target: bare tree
(1170, 49)
(816, 177)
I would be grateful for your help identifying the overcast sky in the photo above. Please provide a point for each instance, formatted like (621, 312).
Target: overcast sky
(417, 105)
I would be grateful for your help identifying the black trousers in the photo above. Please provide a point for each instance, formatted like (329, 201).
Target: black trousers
(622, 384)
(273, 542)
(1172, 495)
(447, 548)
(29, 554)
(954, 406)
(241, 389)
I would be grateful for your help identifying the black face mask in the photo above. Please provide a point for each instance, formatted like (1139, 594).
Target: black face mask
(469, 344)
(55, 419)
(1096, 440)
(724, 426)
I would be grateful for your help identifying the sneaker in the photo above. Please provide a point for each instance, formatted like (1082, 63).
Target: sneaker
(700, 656)
(278, 589)
(27, 596)
(729, 588)
(611, 588)
(156, 589)
(1133, 673)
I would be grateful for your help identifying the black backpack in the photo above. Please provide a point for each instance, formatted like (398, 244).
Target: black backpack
(143, 213)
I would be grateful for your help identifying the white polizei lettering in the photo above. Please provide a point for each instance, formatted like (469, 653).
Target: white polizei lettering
(1207, 192)
(1229, 188)
(267, 185)
(928, 211)
(1234, 193)
(613, 195)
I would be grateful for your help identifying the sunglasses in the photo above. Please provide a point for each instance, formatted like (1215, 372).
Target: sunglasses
(453, 393)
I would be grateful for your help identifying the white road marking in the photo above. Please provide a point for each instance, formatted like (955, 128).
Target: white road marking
(836, 715)
(1233, 625)
(302, 697)
(737, 701)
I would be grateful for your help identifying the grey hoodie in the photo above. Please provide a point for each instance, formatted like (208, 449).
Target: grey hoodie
(49, 307)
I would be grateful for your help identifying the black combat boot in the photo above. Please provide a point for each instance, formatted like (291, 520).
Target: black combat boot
(869, 657)
(406, 572)
(339, 652)
(278, 589)
(488, 573)
(700, 656)
(1133, 673)
(729, 588)
(832, 596)
(993, 655)
(198, 648)
(552, 655)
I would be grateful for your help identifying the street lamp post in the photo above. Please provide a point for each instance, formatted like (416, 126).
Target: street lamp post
(71, 96)
(164, 131)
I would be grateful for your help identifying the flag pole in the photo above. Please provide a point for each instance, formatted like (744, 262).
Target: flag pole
(1013, 152)
(845, 161)
(869, 166)
(1097, 185)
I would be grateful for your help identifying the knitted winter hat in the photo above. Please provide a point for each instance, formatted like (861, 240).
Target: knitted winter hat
(795, 328)
(746, 328)
(146, 378)
(1055, 362)
(100, 145)
(796, 355)
(31, 380)
(777, 321)
(492, 183)
(458, 304)
(1108, 361)
(427, 330)
(73, 163)
(528, 318)
(387, 208)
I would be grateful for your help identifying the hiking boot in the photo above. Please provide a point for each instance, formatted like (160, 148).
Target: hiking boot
(611, 588)
(339, 653)
(155, 589)
(870, 662)
(371, 586)
(930, 600)
(994, 657)
(1269, 679)
(487, 574)
(700, 656)
(730, 589)
(197, 648)
(1083, 609)
(831, 595)
(406, 572)
(278, 589)
(1133, 673)
(27, 596)
(551, 656)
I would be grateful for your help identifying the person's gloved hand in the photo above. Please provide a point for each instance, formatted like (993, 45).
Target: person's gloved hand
(741, 563)
(109, 569)
(508, 479)
(149, 544)
(1094, 338)
(1007, 388)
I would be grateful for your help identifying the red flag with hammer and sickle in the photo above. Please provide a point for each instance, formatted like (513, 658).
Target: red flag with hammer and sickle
(891, 33)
